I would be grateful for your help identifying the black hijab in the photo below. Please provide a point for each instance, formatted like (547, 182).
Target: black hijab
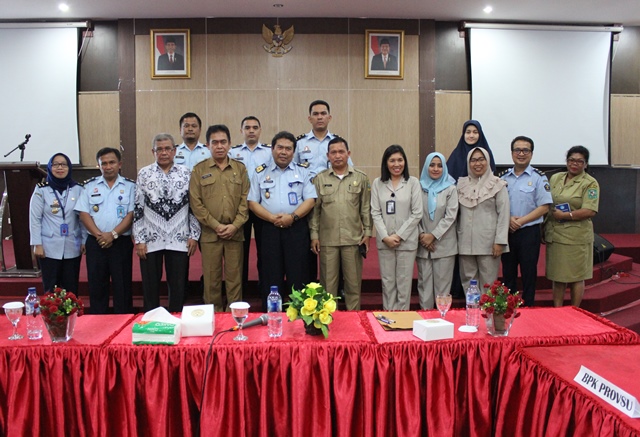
(56, 183)
(457, 162)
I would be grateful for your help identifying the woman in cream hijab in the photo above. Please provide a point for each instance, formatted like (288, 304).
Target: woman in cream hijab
(483, 224)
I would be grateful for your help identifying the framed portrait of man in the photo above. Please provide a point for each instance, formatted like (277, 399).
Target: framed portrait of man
(384, 54)
(170, 54)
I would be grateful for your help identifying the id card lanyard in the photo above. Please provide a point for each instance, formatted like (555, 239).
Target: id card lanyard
(64, 227)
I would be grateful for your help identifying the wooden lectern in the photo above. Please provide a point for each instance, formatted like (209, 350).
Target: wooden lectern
(20, 179)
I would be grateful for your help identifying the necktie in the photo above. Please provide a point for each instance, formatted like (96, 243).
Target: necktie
(171, 59)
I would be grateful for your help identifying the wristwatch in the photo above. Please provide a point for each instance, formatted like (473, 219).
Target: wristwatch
(295, 216)
(115, 234)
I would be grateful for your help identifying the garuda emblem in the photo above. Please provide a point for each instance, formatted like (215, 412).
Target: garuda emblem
(277, 41)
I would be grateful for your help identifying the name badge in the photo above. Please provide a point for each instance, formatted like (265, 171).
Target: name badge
(293, 198)
(120, 212)
(64, 230)
(391, 206)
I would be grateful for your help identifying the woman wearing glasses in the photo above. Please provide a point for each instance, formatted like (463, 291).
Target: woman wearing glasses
(483, 223)
(568, 228)
(56, 233)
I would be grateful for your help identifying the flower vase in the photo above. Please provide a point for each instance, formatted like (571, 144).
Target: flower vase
(61, 332)
(498, 325)
(312, 330)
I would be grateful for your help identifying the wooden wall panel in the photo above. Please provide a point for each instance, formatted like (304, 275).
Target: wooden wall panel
(453, 108)
(99, 121)
(625, 145)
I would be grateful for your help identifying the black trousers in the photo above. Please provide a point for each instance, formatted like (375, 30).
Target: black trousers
(176, 266)
(63, 273)
(257, 223)
(524, 250)
(285, 258)
(113, 263)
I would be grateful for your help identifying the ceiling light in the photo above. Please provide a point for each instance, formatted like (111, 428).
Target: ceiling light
(488, 9)
(63, 7)
(278, 5)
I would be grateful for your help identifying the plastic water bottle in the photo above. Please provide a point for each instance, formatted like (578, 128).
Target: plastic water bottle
(34, 323)
(274, 313)
(473, 304)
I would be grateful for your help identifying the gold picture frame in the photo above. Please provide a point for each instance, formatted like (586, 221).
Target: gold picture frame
(384, 54)
(170, 54)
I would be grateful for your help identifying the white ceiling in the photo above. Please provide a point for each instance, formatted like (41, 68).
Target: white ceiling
(626, 12)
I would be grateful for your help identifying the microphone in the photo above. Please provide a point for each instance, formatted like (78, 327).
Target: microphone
(262, 320)
(27, 136)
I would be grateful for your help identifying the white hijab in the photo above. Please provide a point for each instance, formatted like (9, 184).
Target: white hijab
(473, 190)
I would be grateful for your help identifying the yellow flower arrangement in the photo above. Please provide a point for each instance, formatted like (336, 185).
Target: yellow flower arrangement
(313, 305)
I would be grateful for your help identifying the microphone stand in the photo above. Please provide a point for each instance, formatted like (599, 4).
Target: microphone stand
(22, 146)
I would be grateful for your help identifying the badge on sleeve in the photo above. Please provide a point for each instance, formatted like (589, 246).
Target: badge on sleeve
(592, 194)
(120, 212)
(547, 187)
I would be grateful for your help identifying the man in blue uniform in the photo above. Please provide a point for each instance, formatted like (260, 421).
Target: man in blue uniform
(311, 148)
(282, 195)
(254, 155)
(530, 198)
(106, 211)
(191, 151)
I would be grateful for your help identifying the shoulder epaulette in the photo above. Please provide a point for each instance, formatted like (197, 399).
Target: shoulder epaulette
(43, 184)
(130, 180)
(81, 184)
(359, 171)
(261, 167)
(504, 172)
(303, 164)
(540, 172)
(239, 145)
(90, 180)
(301, 136)
(266, 145)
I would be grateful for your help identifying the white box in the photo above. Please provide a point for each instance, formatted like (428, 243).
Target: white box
(198, 320)
(432, 329)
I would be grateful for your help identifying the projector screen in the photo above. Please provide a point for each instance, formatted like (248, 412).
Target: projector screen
(39, 91)
(549, 85)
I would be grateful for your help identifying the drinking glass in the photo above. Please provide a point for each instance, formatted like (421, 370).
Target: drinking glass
(240, 312)
(443, 302)
(13, 310)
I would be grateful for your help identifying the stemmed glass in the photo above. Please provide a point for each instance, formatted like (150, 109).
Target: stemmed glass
(13, 310)
(443, 302)
(240, 312)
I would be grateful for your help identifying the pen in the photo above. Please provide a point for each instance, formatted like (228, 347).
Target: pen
(383, 319)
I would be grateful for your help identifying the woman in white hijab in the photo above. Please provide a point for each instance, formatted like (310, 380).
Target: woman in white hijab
(483, 223)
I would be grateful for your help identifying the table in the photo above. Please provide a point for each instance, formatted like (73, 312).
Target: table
(546, 401)
(360, 381)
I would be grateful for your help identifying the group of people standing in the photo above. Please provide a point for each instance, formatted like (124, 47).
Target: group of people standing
(302, 199)
(460, 221)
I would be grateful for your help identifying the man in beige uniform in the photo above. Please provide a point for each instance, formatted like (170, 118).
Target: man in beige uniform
(218, 194)
(340, 222)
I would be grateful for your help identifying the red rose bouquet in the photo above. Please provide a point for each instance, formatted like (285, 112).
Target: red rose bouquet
(499, 300)
(57, 305)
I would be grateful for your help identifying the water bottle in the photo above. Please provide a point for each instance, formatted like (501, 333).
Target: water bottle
(473, 304)
(274, 313)
(32, 312)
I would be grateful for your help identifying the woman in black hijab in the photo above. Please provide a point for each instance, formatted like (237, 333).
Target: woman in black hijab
(472, 136)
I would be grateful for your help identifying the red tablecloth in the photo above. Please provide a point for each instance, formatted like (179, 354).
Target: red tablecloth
(361, 381)
(55, 389)
(544, 400)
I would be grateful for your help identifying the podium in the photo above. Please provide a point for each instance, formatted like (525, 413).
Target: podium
(20, 179)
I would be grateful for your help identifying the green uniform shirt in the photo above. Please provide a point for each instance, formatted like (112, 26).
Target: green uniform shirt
(581, 191)
(342, 213)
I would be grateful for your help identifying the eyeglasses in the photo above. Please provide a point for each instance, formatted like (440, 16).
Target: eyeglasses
(474, 160)
(59, 165)
(521, 151)
(576, 161)
(164, 149)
